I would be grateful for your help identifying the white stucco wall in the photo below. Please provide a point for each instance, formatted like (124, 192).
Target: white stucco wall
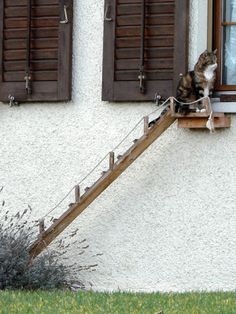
(198, 30)
(169, 222)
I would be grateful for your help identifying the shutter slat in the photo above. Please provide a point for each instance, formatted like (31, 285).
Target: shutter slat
(40, 11)
(129, 75)
(130, 9)
(35, 22)
(130, 31)
(157, 19)
(156, 64)
(46, 54)
(36, 76)
(14, 44)
(130, 53)
(16, 3)
(35, 65)
(167, 41)
(35, 33)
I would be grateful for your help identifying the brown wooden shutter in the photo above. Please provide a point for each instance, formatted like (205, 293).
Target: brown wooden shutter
(49, 54)
(165, 48)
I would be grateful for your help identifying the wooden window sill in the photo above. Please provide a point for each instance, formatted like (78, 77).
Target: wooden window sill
(225, 96)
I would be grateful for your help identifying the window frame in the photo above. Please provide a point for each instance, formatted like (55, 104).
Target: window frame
(226, 92)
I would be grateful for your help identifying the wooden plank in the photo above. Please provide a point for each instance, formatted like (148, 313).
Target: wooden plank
(41, 226)
(196, 115)
(132, 75)
(130, 31)
(39, 54)
(65, 53)
(98, 187)
(47, 43)
(36, 76)
(133, 53)
(109, 52)
(131, 9)
(1, 39)
(157, 41)
(111, 160)
(77, 194)
(200, 123)
(157, 19)
(35, 11)
(151, 64)
(16, 23)
(35, 33)
(46, 90)
(145, 124)
(122, 92)
(181, 40)
(38, 65)
(15, 3)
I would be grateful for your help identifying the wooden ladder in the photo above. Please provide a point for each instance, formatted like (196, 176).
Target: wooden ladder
(151, 133)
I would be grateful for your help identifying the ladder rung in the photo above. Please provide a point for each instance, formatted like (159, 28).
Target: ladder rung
(77, 193)
(41, 226)
(146, 121)
(111, 160)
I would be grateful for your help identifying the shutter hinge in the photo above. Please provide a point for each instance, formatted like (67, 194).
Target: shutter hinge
(107, 11)
(65, 21)
(141, 78)
(12, 101)
(157, 98)
(28, 84)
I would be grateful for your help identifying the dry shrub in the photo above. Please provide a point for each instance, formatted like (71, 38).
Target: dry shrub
(47, 271)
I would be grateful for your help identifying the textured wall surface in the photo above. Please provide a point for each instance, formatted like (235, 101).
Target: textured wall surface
(169, 222)
(198, 30)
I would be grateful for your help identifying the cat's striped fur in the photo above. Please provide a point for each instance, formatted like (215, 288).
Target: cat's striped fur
(197, 83)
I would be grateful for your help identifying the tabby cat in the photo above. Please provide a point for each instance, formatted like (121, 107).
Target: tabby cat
(197, 83)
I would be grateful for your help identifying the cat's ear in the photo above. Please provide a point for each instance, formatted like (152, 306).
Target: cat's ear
(205, 52)
(215, 51)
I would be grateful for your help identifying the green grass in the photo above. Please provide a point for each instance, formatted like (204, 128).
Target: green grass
(57, 302)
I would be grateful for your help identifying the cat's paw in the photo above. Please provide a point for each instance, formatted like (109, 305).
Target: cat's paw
(200, 110)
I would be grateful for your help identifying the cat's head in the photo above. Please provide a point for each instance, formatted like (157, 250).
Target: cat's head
(208, 58)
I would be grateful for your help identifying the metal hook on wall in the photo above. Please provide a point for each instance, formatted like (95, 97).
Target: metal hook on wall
(106, 17)
(65, 21)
